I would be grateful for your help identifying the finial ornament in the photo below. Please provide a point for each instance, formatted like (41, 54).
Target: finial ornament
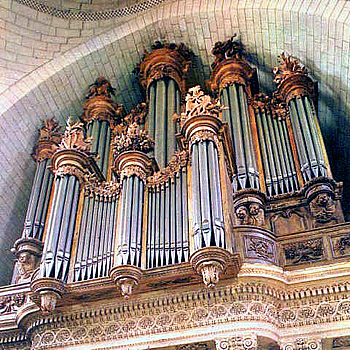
(230, 67)
(74, 138)
(288, 66)
(292, 79)
(165, 60)
(132, 139)
(49, 139)
(100, 87)
(231, 48)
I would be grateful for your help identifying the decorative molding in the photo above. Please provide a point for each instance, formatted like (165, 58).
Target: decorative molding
(90, 16)
(49, 139)
(165, 60)
(177, 162)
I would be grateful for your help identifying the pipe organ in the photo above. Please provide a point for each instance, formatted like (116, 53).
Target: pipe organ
(186, 187)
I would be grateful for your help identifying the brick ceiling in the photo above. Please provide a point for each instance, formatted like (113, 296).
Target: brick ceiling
(47, 63)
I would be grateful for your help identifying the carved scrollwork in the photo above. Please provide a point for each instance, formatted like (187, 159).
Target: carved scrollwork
(244, 342)
(105, 190)
(306, 251)
(260, 247)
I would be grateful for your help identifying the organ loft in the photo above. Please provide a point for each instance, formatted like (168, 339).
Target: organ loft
(206, 217)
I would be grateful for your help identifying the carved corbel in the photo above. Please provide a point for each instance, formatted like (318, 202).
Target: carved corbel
(230, 67)
(165, 60)
(47, 292)
(73, 156)
(292, 79)
(49, 139)
(99, 104)
(322, 195)
(28, 252)
(210, 263)
(126, 278)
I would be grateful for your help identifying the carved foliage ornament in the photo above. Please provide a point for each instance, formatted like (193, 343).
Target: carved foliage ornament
(75, 139)
(288, 66)
(165, 60)
(49, 138)
(132, 139)
(301, 252)
(106, 190)
(199, 104)
(262, 248)
(228, 49)
(177, 161)
(342, 244)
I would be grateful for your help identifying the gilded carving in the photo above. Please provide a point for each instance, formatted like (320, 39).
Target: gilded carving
(107, 190)
(204, 135)
(275, 105)
(176, 163)
(322, 208)
(289, 66)
(165, 60)
(199, 104)
(100, 87)
(230, 48)
(49, 139)
(75, 139)
(306, 251)
(292, 79)
(132, 139)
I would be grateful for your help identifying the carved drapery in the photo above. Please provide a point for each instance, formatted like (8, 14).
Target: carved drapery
(234, 79)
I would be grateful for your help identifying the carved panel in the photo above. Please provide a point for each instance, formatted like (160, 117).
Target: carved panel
(304, 252)
(288, 221)
(10, 303)
(341, 343)
(340, 245)
(260, 248)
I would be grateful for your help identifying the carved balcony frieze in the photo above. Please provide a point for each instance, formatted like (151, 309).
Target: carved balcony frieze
(100, 105)
(230, 67)
(49, 140)
(292, 79)
(165, 60)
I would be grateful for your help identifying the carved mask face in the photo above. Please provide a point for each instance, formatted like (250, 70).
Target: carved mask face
(323, 199)
(24, 258)
(254, 209)
(241, 212)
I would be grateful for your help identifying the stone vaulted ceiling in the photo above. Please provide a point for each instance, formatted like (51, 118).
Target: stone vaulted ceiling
(49, 57)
